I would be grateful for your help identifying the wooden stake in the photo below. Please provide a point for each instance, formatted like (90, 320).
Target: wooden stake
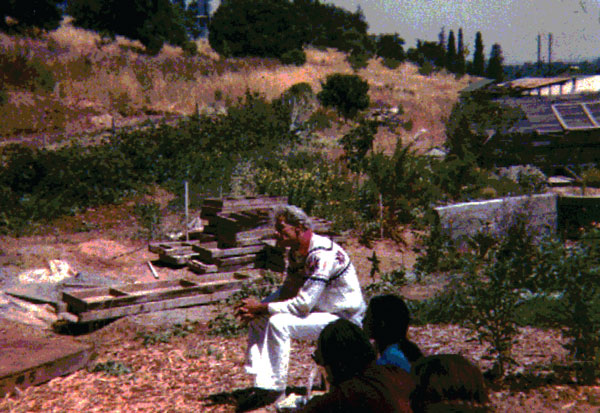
(187, 234)
(380, 216)
(153, 270)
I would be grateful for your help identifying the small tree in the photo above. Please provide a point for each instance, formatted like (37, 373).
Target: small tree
(460, 58)
(389, 46)
(494, 68)
(348, 94)
(478, 57)
(451, 53)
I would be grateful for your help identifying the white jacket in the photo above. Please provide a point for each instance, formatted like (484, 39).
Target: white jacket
(330, 284)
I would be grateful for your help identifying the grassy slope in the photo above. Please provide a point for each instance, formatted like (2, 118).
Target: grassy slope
(97, 81)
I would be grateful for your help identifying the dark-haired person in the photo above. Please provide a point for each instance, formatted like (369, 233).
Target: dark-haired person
(321, 286)
(448, 383)
(386, 321)
(357, 383)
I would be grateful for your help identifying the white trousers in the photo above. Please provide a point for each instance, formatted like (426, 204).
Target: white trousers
(269, 342)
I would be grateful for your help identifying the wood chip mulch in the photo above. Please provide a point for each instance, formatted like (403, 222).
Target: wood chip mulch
(200, 373)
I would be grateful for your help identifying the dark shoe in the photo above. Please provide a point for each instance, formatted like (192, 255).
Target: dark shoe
(259, 398)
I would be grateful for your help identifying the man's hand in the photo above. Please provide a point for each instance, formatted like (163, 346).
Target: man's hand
(250, 308)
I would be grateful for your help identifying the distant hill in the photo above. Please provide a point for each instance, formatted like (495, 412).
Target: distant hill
(71, 81)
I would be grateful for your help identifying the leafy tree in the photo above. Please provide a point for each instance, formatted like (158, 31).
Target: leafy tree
(389, 46)
(494, 68)
(426, 51)
(478, 58)
(347, 93)
(451, 56)
(43, 14)
(325, 25)
(263, 28)
(153, 22)
(471, 120)
(358, 142)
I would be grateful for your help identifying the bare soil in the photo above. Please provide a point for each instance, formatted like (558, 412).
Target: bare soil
(200, 372)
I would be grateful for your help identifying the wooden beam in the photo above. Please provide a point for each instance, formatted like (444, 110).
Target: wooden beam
(117, 312)
(26, 361)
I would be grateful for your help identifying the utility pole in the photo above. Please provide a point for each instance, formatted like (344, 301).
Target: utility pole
(539, 54)
(549, 53)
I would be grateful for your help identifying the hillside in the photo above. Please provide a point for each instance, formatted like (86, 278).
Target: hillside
(71, 81)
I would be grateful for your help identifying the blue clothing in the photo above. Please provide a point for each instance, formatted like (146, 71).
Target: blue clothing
(393, 356)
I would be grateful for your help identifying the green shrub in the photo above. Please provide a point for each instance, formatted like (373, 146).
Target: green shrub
(358, 60)
(312, 183)
(348, 94)
(3, 96)
(389, 283)
(591, 177)
(18, 70)
(320, 119)
(165, 336)
(112, 368)
(295, 57)
(391, 63)
(426, 68)
(148, 217)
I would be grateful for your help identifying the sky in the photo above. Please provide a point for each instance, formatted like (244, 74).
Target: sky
(514, 24)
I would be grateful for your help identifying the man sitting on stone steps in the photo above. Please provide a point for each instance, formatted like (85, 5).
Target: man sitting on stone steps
(321, 286)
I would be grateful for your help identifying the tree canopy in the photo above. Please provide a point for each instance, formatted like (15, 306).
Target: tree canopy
(25, 14)
(153, 22)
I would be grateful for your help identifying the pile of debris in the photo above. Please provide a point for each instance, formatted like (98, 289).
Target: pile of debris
(239, 235)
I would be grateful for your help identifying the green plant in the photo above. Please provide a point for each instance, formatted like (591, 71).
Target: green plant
(263, 28)
(320, 119)
(148, 217)
(295, 57)
(389, 283)
(165, 335)
(112, 368)
(590, 176)
(3, 96)
(391, 63)
(358, 60)
(426, 68)
(348, 94)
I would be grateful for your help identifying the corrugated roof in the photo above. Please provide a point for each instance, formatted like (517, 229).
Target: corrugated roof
(555, 114)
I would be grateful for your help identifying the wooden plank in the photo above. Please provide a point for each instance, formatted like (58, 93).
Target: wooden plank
(117, 312)
(166, 247)
(176, 259)
(27, 361)
(229, 261)
(245, 238)
(208, 255)
(200, 267)
(80, 302)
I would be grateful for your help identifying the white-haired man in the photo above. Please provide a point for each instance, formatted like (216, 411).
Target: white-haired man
(321, 286)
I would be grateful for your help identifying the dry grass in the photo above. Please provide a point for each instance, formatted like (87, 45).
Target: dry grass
(97, 77)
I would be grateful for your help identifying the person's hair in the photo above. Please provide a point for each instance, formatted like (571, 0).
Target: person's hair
(387, 323)
(448, 380)
(292, 215)
(345, 348)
